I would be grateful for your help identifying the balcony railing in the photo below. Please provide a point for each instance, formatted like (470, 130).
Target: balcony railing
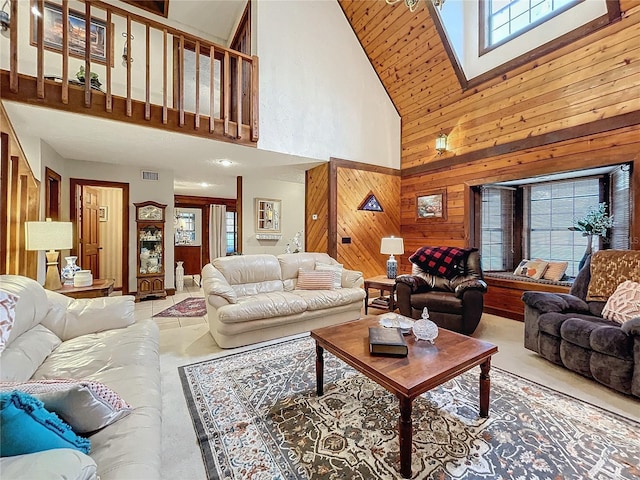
(141, 71)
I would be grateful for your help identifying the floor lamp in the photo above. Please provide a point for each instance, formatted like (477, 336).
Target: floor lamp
(49, 236)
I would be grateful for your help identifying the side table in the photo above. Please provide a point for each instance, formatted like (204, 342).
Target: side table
(100, 288)
(384, 284)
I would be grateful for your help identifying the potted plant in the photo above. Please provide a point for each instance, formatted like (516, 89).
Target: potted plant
(595, 222)
(95, 82)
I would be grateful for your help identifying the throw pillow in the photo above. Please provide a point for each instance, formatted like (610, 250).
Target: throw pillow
(440, 261)
(27, 427)
(85, 405)
(624, 304)
(531, 268)
(7, 316)
(555, 271)
(337, 272)
(314, 280)
(608, 269)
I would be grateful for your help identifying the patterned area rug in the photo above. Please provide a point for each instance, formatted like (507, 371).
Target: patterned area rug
(190, 307)
(257, 416)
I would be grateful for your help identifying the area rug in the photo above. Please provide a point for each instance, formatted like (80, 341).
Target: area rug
(190, 307)
(257, 416)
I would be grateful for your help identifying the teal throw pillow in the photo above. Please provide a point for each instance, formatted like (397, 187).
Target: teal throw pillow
(27, 427)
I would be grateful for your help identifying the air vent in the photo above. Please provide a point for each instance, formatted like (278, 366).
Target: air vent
(153, 176)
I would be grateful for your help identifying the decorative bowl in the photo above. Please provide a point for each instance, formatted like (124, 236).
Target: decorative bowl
(391, 320)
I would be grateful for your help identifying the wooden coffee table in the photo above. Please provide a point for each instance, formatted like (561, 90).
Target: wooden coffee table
(426, 367)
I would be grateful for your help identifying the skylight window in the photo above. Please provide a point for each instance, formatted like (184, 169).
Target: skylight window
(505, 19)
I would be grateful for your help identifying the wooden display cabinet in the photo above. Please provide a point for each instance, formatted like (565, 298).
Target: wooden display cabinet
(150, 220)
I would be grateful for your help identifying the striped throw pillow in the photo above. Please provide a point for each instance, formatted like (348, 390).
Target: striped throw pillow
(337, 272)
(624, 304)
(555, 271)
(315, 280)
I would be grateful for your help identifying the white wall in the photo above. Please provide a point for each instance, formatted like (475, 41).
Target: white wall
(292, 219)
(139, 191)
(319, 95)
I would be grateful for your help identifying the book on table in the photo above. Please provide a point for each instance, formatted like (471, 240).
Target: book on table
(387, 341)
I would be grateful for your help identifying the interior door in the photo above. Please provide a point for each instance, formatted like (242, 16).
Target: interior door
(89, 237)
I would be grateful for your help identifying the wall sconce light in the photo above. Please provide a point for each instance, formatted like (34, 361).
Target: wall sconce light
(441, 143)
(5, 18)
(125, 50)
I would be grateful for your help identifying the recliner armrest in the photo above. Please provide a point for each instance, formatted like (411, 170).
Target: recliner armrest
(475, 284)
(631, 327)
(546, 302)
(417, 284)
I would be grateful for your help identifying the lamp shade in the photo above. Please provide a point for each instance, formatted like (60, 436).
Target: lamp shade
(48, 235)
(392, 246)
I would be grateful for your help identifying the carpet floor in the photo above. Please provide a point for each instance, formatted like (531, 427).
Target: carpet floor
(190, 307)
(256, 415)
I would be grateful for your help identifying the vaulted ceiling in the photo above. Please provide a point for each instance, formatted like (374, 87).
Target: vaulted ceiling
(406, 52)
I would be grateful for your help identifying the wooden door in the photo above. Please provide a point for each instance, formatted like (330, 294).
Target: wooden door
(89, 237)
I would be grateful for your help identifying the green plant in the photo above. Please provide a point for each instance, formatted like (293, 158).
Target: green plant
(94, 76)
(595, 222)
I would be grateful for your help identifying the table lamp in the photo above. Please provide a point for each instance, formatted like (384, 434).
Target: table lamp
(50, 236)
(392, 246)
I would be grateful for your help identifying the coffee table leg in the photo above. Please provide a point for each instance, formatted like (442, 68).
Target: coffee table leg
(485, 387)
(405, 430)
(319, 369)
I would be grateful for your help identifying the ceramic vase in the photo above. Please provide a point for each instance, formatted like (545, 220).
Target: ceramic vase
(587, 252)
(179, 276)
(69, 270)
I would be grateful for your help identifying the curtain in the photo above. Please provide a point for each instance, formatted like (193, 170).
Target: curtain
(217, 231)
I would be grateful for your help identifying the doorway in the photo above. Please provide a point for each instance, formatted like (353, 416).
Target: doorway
(100, 214)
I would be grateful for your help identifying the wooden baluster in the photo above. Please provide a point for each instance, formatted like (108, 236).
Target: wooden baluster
(87, 54)
(4, 199)
(197, 112)
(24, 211)
(226, 91)
(13, 50)
(129, 54)
(239, 97)
(254, 99)
(164, 76)
(108, 97)
(13, 222)
(181, 82)
(40, 57)
(65, 51)
(212, 57)
(147, 104)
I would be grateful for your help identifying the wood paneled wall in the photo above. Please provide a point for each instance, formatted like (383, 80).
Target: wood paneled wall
(335, 191)
(576, 107)
(19, 203)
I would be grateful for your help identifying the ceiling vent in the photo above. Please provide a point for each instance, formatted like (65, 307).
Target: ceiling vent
(148, 175)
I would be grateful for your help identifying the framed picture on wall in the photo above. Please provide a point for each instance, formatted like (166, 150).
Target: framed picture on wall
(431, 206)
(52, 19)
(268, 215)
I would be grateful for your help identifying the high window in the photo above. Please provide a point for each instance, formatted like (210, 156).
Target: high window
(505, 19)
(531, 218)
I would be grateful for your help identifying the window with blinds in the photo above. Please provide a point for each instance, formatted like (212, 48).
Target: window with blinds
(533, 219)
(232, 232)
(619, 237)
(497, 228)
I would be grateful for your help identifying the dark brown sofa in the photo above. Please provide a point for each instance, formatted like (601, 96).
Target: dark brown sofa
(454, 303)
(570, 331)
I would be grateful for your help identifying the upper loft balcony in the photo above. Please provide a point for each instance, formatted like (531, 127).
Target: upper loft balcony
(142, 72)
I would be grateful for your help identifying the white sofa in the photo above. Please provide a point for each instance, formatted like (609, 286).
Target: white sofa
(253, 298)
(54, 336)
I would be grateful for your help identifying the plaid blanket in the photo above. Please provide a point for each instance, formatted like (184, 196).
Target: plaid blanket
(440, 261)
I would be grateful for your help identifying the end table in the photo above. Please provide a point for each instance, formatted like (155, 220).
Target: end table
(384, 284)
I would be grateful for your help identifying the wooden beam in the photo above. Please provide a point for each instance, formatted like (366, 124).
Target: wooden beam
(164, 76)
(4, 200)
(239, 96)
(108, 97)
(197, 111)
(147, 103)
(65, 51)
(87, 55)
(13, 48)
(40, 47)
(129, 50)
(212, 57)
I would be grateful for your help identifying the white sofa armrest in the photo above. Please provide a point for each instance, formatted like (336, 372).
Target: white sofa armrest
(214, 284)
(352, 279)
(69, 318)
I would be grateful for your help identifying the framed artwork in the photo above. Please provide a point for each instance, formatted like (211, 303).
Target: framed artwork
(268, 215)
(432, 205)
(52, 18)
(103, 214)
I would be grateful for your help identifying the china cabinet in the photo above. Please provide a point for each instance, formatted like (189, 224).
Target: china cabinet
(150, 219)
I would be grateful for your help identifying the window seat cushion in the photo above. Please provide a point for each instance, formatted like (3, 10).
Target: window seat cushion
(520, 278)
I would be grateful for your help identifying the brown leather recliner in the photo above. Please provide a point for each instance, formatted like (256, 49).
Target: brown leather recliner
(455, 301)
